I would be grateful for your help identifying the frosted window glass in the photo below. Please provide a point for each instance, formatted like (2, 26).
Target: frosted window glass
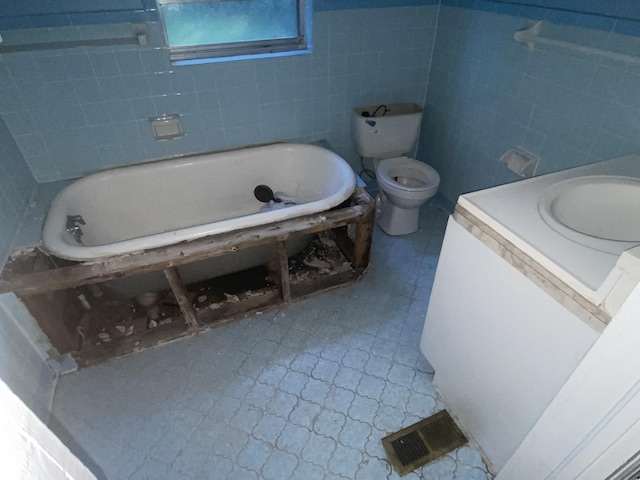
(229, 21)
(199, 31)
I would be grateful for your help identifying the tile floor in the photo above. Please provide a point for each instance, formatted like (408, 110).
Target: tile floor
(305, 392)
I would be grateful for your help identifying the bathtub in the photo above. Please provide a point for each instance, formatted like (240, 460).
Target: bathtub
(141, 207)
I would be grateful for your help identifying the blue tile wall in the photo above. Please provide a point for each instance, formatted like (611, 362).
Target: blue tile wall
(21, 367)
(487, 93)
(37, 13)
(324, 5)
(34, 14)
(16, 187)
(620, 16)
(74, 111)
(563, 11)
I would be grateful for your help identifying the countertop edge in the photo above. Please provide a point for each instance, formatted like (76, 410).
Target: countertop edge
(564, 293)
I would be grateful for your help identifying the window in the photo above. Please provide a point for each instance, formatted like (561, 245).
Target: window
(229, 29)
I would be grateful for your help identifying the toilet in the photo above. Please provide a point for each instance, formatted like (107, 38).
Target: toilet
(385, 133)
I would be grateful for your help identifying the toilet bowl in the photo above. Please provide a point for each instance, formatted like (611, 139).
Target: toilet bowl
(405, 184)
(385, 133)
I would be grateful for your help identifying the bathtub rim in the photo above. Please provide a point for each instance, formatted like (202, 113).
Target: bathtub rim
(80, 273)
(53, 238)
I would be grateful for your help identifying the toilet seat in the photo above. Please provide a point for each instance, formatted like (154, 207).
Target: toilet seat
(408, 177)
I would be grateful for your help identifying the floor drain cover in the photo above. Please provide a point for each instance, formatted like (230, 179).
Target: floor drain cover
(423, 442)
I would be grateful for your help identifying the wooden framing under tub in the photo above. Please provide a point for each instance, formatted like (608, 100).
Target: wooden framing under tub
(93, 325)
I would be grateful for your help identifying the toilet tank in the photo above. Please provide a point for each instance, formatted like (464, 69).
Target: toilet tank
(392, 134)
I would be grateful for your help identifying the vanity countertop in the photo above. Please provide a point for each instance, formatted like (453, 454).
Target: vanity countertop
(511, 211)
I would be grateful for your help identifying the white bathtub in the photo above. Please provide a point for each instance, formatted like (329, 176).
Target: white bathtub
(141, 207)
(136, 208)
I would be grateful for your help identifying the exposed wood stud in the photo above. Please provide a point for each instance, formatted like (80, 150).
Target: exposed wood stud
(341, 237)
(283, 272)
(362, 241)
(173, 276)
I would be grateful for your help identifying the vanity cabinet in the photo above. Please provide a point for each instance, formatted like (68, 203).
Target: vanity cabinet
(532, 331)
(501, 347)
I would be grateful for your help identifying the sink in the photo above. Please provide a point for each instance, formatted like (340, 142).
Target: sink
(601, 212)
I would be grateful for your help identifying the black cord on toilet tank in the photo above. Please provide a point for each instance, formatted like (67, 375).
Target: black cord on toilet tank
(384, 112)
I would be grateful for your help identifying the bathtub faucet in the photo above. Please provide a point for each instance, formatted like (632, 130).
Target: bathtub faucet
(73, 227)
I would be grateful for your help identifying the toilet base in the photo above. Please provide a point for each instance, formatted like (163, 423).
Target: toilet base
(395, 220)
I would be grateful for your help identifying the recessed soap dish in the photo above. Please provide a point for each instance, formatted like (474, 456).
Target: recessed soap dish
(166, 127)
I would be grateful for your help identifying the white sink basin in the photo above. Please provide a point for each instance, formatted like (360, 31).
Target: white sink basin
(601, 212)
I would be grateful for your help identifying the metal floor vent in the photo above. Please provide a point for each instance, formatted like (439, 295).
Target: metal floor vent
(423, 442)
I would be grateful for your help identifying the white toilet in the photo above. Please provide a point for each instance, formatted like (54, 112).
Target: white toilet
(384, 133)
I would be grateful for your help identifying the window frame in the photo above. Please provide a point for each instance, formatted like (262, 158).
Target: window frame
(204, 53)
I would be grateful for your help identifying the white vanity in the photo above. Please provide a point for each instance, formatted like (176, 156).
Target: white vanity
(530, 276)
